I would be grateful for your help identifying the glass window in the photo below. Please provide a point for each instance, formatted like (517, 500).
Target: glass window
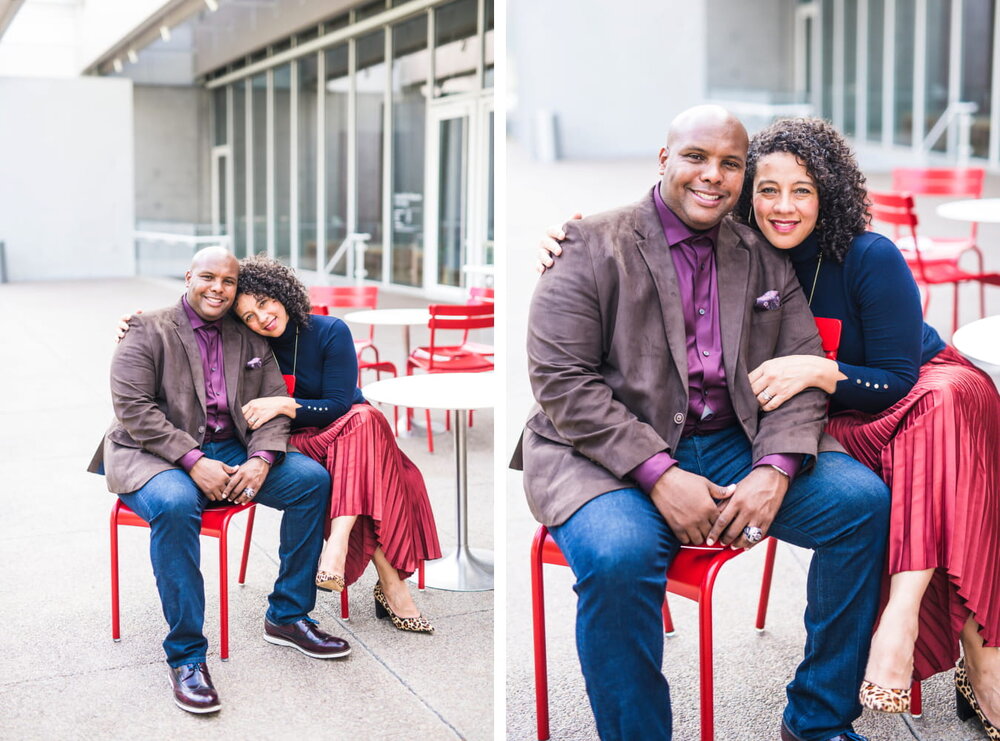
(307, 154)
(371, 83)
(219, 99)
(850, 66)
(903, 93)
(977, 69)
(456, 48)
(452, 206)
(826, 94)
(336, 125)
(936, 81)
(259, 107)
(876, 17)
(409, 112)
(282, 163)
(240, 167)
(488, 42)
(368, 10)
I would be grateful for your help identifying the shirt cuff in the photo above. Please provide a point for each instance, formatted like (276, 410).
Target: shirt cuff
(789, 463)
(266, 455)
(647, 473)
(191, 457)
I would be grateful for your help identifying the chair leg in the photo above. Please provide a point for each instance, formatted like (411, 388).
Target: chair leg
(765, 583)
(430, 431)
(668, 621)
(954, 313)
(246, 546)
(345, 608)
(705, 665)
(116, 628)
(916, 701)
(538, 623)
(223, 594)
(420, 576)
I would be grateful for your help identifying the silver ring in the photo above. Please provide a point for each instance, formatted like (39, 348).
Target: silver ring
(250, 493)
(253, 420)
(767, 396)
(753, 534)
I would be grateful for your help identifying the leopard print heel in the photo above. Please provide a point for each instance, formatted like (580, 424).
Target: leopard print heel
(330, 582)
(884, 700)
(967, 706)
(416, 624)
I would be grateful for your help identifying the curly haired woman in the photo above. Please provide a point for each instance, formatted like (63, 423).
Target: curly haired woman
(378, 506)
(902, 402)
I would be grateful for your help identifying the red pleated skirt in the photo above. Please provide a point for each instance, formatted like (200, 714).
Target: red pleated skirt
(373, 478)
(938, 450)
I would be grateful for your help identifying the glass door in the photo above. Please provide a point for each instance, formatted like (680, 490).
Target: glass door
(222, 193)
(459, 231)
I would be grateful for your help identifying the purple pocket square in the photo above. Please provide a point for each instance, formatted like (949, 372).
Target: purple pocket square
(254, 363)
(768, 301)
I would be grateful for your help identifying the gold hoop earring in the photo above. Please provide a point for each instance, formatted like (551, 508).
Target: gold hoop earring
(751, 220)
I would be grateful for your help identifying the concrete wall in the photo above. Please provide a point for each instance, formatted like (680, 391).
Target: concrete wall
(66, 194)
(751, 47)
(614, 74)
(172, 154)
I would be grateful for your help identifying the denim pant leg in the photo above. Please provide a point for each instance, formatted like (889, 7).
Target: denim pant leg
(841, 511)
(172, 505)
(300, 488)
(619, 548)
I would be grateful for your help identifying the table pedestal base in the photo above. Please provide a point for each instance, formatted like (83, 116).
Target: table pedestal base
(462, 570)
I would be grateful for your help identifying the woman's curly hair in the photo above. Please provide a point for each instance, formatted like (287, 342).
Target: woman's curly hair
(843, 198)
(264, 277)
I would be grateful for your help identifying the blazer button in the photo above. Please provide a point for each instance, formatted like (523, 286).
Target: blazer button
(678, 418)
(201, 429)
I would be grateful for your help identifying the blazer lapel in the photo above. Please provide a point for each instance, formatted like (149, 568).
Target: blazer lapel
(655, 252)
(232, 359)
(185, 333)
(732, 261)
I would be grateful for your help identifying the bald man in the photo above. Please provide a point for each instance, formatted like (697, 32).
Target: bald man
(179, 444)
(647, 436)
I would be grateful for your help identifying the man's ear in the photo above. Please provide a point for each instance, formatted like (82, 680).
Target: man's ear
(664, 153)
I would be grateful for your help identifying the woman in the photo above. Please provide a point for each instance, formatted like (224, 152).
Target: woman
(379, 508)
(903, 403)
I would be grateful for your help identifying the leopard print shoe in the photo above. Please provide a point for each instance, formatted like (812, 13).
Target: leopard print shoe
(330, 582)
(416, 624)
(884, 700)
(967, 706)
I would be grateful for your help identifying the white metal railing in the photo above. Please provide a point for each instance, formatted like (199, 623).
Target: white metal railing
(355, 257)
(962, 113)
(162, 253)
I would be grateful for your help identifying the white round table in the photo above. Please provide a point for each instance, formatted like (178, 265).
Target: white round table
(979, 340)
(982, 210)
(464, 569)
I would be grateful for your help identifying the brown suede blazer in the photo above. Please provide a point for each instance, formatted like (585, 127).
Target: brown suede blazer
(158, 392)
(607, 356)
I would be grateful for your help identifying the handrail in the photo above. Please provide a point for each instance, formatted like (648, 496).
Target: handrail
(360, 242)
(963, 111)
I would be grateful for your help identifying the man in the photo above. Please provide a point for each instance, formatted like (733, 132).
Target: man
(648, 436)
(179, 444)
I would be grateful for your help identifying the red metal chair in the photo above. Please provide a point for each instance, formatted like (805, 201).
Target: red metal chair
(478, 295)
(214, 523)
(897, 209)
(324, 298)
(692, 575)
(439, 358)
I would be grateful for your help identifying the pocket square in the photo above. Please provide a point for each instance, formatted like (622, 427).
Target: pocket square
(254, 363)
(768, 301)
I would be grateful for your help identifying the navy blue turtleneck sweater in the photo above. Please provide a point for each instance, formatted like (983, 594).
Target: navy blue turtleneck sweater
(325, 369)
(884, 340)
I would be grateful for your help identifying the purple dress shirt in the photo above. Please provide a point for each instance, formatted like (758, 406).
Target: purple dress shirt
(218, 420)
(709, 405)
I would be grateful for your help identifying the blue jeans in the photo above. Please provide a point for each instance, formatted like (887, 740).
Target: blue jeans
(172, 505)
(619, 547)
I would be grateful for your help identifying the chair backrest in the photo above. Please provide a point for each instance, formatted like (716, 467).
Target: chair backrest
(344, 297)
(964, 182)
(829, 335)
(897, 209)
(481, 295)
(460, 316)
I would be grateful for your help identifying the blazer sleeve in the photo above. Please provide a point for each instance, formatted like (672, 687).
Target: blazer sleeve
(566, 330)
(134, 386)
(797, 425)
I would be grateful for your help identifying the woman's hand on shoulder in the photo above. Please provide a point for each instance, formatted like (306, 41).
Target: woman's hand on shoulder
(777, 380)
(549, 247)
(261, 411)
(123, 326)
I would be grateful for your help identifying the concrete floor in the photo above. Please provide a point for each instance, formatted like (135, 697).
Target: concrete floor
(62, 677)
(751, 669)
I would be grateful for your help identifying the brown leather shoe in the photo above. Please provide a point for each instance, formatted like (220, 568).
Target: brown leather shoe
(306, 636)
(193, 690)
(787, 735)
